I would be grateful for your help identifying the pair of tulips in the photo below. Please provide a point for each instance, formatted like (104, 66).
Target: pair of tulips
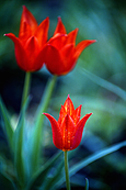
(33, 49)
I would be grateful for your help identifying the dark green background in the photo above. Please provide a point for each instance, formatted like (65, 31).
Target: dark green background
(105, 21)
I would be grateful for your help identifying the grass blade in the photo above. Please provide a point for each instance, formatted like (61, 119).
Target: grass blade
(105, 84)
(92, 159)
(86, 184)
(96, 156)
(51, 182)
(18, 146)
(40, 175)
(39, 120)
(7, 124)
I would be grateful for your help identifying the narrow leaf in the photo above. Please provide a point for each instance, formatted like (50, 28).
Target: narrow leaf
(92, 159)
(86, 184)
(7, 124)
(95, 157)
(18, 145)
(6, 182)
(40, 175)
(49, 183)
(105, 84)
(39, 121)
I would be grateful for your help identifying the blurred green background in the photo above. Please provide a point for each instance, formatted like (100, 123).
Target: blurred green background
(103, 93)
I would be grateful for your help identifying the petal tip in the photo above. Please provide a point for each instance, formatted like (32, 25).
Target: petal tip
(89, 114)
(93, 41)
(24, 7)
(59, 18)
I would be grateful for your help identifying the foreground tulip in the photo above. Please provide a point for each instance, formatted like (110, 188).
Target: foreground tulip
(29, 45)
(61, 53)
(67, 131)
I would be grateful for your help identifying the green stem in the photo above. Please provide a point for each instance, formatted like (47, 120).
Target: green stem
(26, 88)
(45, 101)
(39, 127)
(66, 170)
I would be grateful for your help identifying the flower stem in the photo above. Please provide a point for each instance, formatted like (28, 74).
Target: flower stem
(26, 88)
(66, 169)
(39, 127)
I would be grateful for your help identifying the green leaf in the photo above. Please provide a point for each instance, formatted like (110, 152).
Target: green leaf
(40, 175)
(6, 182)
(39, 124)
(96, 156)
(18, 146)
(92, 159)
(105, 84)
(51, 182)
(7, 124)
(86, 184)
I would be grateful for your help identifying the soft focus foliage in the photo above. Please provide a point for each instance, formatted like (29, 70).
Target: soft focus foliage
(100, 20)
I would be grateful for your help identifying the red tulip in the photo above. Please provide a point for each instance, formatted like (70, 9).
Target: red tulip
(61, 53)
(29, 45)
(67, 131)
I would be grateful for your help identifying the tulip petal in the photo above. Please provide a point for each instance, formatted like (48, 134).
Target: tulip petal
(42, 32)
(77, 135)
(58, 41)
(57, 136)
(81, 46)
(28, 18)
(72, 36)
(68, 105)
(32, 50)
(60, 28)
(20, 53)
(39, 61)
(69, 61)
(53, 60)
(67, 129)
(25, 32)
(62, 114)
(76, 114)
(67, 52)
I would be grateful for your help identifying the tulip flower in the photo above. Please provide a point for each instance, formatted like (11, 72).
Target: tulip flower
(61, 53)
(67, 131)
(29, 45)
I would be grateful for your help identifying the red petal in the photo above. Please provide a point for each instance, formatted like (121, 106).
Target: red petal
(39, 61)
(82, 45)
(58, 41)
(66, 56)
(60, 28)
(68, 105)
(20, 53)
(25, 33)
(67, 52)
(57, 136)
(32, 49)
(67, 129)
(76, 114)
(72, 36)
(28, 18)
(42, 32)
(77, 135)
(53, 60)
(62, 114)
